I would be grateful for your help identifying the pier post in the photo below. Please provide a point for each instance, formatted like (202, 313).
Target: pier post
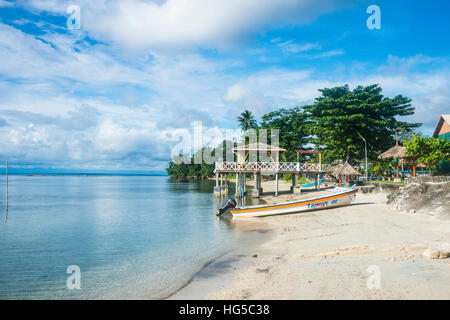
(256, 193)
(225, 186)
(217, 189)
(237, 186)
(276, 184)
(260, 184)
(318, 181)
(294, 182)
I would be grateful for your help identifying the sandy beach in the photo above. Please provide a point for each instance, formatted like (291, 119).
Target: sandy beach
(362, 251)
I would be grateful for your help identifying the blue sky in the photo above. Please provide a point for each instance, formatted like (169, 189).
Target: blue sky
(118, 93)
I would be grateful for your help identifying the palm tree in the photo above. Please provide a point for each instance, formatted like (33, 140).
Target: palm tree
(247, 121)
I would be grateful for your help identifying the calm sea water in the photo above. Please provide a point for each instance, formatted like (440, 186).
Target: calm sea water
(132, 237)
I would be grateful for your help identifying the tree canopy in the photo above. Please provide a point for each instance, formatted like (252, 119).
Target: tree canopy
(340, 113)
(293, 129)
(177, 170)
(428, 150)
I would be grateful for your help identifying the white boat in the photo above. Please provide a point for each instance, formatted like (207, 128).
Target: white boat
(341, 197)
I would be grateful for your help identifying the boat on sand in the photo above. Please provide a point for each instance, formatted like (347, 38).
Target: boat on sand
(339, 197)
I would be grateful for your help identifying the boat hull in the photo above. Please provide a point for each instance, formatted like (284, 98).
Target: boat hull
(331, 201)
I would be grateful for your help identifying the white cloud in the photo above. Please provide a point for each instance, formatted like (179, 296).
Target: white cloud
(330, 53)
(186, 23)
(236, 92)
(292, 47)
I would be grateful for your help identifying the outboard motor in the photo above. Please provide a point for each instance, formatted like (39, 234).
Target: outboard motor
(231, 203)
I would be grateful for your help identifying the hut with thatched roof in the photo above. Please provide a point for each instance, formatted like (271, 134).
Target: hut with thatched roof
(343, 171)
(397, 152)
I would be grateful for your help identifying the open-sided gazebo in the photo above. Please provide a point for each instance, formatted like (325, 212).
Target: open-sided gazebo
(248, 162)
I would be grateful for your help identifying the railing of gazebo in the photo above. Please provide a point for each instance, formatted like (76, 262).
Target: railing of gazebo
(267, 167)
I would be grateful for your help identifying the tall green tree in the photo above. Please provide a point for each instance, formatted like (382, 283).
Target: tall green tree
(340, 113)
(428, 150)
(247, 121)
(293, 129)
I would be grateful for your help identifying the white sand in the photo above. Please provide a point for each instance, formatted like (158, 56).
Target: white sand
(326, 255)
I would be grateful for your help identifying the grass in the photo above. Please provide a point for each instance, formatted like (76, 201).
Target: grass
(301, 179)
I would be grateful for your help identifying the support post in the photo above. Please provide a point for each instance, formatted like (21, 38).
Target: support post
(276, 184)
(257, 191)
(397, 167)
(318, 181)
(294, 183)
(217, 190)
(237, 186)
(225, 186)
(260, 184)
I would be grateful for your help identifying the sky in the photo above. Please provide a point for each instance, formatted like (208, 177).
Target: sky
(118, 92)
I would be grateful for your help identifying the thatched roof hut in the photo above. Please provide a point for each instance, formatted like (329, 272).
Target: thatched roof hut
(335, 169)
(343, 170)
(395, 152)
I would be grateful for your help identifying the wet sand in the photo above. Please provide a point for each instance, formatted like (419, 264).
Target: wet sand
(362, 251)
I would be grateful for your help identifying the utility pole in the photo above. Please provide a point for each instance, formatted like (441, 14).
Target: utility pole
(365, 149)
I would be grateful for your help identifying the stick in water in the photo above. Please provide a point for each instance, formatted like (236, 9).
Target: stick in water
(6, 186)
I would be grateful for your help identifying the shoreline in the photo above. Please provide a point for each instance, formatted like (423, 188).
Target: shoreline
(168, 297)
(331, 254)
(216, 273)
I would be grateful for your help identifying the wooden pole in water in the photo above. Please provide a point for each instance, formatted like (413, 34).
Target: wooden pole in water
(6, 186)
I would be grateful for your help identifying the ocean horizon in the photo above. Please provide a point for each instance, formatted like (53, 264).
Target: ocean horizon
(12, 170)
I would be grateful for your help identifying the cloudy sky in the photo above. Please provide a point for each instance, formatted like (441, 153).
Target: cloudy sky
(117, 93)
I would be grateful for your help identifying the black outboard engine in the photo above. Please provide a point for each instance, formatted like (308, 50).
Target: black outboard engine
(231, 203)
